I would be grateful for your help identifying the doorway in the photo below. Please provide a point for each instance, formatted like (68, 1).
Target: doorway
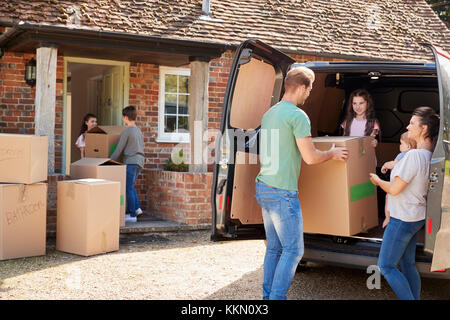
(92, 86)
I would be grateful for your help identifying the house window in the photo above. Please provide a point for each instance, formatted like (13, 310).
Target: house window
(173, 124)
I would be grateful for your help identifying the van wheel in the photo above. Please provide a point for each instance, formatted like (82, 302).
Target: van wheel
(302, 266)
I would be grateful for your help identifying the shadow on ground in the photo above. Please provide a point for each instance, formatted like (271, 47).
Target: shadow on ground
(128, 243)
(323, 282)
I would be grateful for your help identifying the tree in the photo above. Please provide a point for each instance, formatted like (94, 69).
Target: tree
(442, 9)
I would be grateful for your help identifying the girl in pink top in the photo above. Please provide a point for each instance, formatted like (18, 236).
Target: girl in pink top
(89, 122)
(360, 120)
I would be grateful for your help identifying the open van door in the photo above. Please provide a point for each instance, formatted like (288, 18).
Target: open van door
(255, 84)
(437, 228)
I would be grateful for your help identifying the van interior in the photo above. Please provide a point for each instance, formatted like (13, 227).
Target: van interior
(395, 94)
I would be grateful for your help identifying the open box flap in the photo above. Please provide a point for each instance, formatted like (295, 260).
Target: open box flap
(95, 162)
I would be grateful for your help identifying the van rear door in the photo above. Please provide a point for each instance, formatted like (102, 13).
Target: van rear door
(437, 229)
(255, 84)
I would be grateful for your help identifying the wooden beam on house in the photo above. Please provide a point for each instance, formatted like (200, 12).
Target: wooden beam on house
(46, 57)
(198, 114)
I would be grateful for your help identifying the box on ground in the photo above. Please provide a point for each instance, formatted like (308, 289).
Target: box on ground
(103, 168)
(336, 197)
(23, 220)
(23, 158)
(101, 141)
(88, 212)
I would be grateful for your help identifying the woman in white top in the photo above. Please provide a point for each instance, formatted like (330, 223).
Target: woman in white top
(407, 190)
(89, 122)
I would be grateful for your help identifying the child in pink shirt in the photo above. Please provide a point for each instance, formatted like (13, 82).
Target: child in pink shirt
(89, 122)
(360, 120)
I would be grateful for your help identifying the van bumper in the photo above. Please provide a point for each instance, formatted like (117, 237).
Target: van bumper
(362, 261)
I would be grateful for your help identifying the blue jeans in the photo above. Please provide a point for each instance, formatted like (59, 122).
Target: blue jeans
(133, 171)
(399, 248)
(283, 224)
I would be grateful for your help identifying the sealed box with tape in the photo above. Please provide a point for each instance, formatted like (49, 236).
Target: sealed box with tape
(23, 158)
(88, 216)
(23, 217)
(337, 198)
(103, 168)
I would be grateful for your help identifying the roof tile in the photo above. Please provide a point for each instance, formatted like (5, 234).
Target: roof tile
(391, 29)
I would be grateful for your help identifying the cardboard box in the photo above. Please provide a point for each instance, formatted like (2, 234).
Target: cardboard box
(23, 158)
(101, 141)
(337, 198)
(88, 212)
(103, 168)
(23, 220)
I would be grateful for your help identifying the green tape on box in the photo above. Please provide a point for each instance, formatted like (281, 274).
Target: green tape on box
(121, 200)
(361, 191)
(112, 148)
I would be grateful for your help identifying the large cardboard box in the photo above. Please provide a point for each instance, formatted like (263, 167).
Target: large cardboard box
(101, 141)
(88, 212)
(337, 198)
(103, 168)
(23, 158)
(23, 220)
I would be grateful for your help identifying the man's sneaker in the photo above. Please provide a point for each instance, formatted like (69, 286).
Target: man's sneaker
(129, 218)
(139, 212)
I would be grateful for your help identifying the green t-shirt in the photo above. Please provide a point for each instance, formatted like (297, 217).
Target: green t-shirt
(280, 158)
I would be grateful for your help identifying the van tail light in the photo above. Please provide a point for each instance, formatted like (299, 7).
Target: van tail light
(228, 203)
(430, 225)
(220, 202)
(442, 270)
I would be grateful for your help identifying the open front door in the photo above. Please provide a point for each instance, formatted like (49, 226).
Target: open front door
(255, 84)
(437, 231)
(112, 96)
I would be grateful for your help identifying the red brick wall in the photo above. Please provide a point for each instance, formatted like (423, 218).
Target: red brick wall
(180, 196)
(17, 105)
(16, 97)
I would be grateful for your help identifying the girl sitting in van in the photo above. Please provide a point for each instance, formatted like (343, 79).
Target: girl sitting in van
(360, 120)
(89, 122)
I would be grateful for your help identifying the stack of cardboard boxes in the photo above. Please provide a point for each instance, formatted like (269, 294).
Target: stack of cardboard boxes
(23, 196)
(89, 211)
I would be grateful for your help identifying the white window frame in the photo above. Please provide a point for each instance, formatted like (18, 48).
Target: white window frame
(170, 137)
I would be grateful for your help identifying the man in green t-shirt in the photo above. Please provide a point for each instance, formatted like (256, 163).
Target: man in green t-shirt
(285, 140)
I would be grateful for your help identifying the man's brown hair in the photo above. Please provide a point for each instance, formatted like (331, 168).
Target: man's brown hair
(300, 76)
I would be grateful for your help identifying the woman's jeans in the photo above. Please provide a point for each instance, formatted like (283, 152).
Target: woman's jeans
(399, 248)
(284, 233)
(133, 171)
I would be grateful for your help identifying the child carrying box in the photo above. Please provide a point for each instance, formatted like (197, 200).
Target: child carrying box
(131, 143)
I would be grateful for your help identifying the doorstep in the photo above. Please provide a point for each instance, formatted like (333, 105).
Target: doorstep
(147, 224)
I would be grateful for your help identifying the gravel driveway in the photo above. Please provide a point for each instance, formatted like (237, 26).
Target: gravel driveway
(180, 266)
